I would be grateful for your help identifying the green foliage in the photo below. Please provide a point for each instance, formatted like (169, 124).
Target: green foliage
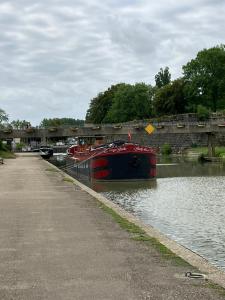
(166, 149)
(121, 103)
(194, 145)
(131, 102)
(19, 146)
(201, 88)
(163, 77)
(4, 151)
(3, 116)
(56, 122)
(203, 151)
(20, 124)
(202, 112)
(121, 109)
(170, 99)
(100, 105)
(205, 78)
(2, 146)
(7, 154)
(220, 151)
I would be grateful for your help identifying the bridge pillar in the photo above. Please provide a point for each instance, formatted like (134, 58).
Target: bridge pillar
(211, 144)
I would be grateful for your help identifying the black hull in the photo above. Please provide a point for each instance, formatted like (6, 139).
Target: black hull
(46, 152)
(128, 166)
(46, 156)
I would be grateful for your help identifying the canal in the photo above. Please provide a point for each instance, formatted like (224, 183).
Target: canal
(186, 202)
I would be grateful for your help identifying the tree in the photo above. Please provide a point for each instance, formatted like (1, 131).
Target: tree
(56, 122)
(20, 124)
(131, 102)
(205, 78)
(101, 104)
(163, 77)
(71, 122)
(3, 116)
(170, 99)
(120, 110)
(16, 124)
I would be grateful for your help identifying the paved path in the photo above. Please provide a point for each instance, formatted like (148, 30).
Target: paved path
(56, 243)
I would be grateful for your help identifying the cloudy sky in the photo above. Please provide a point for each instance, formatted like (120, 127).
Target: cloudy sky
(55, 55)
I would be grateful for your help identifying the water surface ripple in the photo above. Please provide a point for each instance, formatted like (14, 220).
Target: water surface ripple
(190, 210)
(186, 202)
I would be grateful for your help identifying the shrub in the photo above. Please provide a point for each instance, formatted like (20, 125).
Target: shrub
(166, 149)
(3, 147)
(194, 145)
(202, 113)
(19, 146)
(220, 151)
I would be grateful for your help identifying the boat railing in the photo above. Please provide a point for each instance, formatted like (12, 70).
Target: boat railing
(72, 165)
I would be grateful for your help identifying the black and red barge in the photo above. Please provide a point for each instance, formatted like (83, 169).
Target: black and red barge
(118, 160)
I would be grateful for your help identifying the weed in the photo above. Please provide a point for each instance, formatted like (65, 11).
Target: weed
(67, 179)
(51, 170)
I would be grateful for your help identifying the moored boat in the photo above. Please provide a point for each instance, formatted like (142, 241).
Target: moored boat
(46, 152)
(118, 160)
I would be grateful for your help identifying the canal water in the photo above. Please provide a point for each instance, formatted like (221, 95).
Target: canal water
(186, 202)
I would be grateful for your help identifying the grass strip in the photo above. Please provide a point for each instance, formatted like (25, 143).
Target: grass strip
(67, 179)
(216, 287)
(6, 154)
(51, 170)
(138, 234)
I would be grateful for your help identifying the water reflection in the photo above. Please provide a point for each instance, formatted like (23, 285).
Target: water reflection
(181, 167)
(121, 186)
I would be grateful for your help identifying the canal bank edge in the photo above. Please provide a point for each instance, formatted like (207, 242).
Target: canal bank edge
(213, 273)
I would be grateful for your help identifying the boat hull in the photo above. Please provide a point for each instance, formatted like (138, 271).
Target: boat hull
(46, 152)
(125, 166)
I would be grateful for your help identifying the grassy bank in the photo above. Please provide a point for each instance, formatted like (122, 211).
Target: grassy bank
(138, 234)
(7, 154)
(219, 151)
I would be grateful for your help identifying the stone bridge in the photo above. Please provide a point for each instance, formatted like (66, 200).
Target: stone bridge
(179, 133)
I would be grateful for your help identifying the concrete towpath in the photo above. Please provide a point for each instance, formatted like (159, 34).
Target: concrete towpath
(56, 243)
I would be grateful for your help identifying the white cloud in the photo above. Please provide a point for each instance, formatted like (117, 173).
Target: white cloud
(58, 54)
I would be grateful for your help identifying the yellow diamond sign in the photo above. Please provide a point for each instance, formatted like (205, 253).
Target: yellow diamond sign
(149, 128)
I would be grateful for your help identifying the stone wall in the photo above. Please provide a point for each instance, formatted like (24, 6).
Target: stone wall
(180, 132)
(176, 140)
